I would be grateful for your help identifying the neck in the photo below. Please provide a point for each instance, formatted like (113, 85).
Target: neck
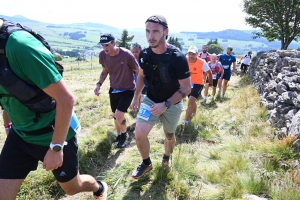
(192, 60)
(115, 51)
(162, 48)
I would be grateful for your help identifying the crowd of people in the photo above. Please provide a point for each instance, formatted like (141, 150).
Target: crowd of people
(151, 81)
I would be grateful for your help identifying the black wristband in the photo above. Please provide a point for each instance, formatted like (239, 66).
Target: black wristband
(99, 83)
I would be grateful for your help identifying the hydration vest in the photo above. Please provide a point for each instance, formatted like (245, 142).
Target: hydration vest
(34, 98)
(207, 58)
(166, 78)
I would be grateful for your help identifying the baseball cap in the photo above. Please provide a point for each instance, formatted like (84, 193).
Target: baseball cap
(159, 19)
(193, 49)
(106, 38)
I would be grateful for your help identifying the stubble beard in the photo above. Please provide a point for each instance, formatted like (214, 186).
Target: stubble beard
(158, 43)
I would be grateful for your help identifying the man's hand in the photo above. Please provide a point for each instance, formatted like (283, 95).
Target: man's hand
(97, 90)
(53, 160)
(158, 108)
(135, 104)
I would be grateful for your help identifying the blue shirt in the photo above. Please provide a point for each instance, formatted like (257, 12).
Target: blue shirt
(226, 61)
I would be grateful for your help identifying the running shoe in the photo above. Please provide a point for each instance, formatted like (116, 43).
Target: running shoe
(141, 170)
(123, 140)
(102, 196)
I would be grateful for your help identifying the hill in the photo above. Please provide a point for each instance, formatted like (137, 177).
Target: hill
(83, 37)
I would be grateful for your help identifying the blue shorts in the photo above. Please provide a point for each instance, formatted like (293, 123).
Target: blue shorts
(227, 74)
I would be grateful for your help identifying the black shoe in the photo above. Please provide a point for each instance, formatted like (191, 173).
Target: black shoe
(141, 170)
(118, 138)
(123, 140)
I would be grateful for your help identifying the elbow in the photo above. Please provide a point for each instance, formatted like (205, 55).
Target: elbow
(66, 101)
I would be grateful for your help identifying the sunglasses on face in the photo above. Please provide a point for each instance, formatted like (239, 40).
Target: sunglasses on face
(229, 49)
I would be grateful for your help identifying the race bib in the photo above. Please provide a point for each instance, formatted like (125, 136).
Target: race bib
(144, 112)
(117, 91)
(214, 76)
(226, 66)
(74, 124)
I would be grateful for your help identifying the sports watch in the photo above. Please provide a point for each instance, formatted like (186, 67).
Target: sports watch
(168, 104)
(57, 147)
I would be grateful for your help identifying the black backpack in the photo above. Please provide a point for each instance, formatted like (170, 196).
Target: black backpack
(34, 98)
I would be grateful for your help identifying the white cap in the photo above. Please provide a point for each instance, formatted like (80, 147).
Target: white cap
(193, 49)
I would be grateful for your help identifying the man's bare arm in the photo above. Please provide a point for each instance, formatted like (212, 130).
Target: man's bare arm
(184, 90)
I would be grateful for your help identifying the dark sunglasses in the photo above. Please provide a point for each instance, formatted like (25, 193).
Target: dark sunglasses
(229, 49)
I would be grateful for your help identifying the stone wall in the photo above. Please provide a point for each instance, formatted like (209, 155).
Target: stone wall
(276, 76)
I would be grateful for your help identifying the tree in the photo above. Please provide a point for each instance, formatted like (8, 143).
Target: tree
(277, 19)
(174, 41)
(212, 42)
(215, 48)
(125, 40)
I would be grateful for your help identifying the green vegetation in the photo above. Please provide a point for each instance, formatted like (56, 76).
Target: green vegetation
(226, 151)
(276, 19)
(125, 40)
(174, 41)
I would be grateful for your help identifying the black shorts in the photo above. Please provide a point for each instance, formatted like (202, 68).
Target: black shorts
(244, 67)
(215, 81)
(120, 100)
(18, 158)
(196, 90)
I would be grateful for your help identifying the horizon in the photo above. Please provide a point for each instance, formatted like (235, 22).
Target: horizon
(189, 20)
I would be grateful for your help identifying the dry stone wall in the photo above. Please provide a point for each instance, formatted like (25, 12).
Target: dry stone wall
(276, 76)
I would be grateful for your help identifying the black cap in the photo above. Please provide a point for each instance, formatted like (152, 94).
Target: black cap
(159, 19)
(106, 38)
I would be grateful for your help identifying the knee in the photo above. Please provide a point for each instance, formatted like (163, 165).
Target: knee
(120, 117)
(170, 136)
(138, 134)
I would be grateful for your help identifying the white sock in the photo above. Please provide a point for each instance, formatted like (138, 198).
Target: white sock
(205, 97)
(186, 121)
(213, 96)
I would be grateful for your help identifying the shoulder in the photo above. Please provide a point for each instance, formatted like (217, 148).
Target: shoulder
(125, 51)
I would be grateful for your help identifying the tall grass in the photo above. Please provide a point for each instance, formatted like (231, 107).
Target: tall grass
(227, 150)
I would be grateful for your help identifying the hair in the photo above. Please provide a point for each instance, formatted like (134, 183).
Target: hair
(213, 55)
(137, 45)
(204, 45)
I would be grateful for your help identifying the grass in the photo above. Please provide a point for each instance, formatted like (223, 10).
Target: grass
(227, 150)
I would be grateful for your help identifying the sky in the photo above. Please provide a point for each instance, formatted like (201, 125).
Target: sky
(182, 15)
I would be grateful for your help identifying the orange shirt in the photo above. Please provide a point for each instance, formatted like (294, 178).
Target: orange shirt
(196, 71)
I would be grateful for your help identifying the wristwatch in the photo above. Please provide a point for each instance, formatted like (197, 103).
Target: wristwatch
(168, 104)
(57, 147)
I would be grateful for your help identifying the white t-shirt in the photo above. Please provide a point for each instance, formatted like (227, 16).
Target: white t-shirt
(205, 67)
(247, 59)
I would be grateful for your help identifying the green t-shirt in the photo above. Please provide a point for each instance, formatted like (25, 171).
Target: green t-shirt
(31, 61)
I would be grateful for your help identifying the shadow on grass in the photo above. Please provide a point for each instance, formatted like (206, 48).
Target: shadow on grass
(140, 189)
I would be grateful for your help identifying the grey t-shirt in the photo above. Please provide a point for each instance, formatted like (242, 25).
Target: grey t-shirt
(120, 68)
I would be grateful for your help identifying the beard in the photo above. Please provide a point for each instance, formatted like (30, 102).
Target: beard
(204, 51)
(158, 42)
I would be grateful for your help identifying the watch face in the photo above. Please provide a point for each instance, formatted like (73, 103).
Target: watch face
(56, 148)
(168, 104)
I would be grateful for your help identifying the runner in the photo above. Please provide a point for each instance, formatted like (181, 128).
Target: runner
(226, 61)
(165, 70)
(120, 64)
(196, 66)
(246, 62)
(217, 74)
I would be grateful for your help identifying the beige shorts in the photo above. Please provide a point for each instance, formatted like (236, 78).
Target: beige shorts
(169, 118)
